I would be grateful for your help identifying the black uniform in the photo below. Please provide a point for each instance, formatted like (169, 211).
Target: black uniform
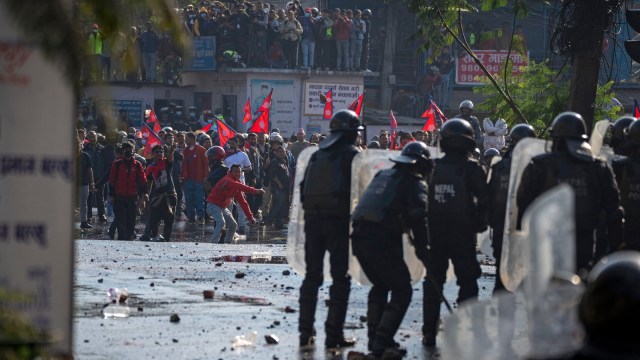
(477, 129)
(595, 190)
(396, 200)
(499, 193)
(627, 173)
(325, 195)
(458, 201)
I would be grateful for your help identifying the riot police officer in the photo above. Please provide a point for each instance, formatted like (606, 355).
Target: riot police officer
(394, 202)
(618, 141)
(499, 189)
(596, 192)
(627, 172)
(458, 200)
(325, 197)
(466, 113)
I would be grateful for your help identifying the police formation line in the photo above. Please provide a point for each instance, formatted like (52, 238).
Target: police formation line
(442, 205)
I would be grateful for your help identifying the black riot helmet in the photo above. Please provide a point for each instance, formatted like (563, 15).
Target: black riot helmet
(633, 133)
(610, 306)
(412, 153)
(618, 131)
(569, 124)
(569, 130)
(457, 134)
(344, 128)
(415, 154)
(344, 120)
(520, 132)
(489, 154)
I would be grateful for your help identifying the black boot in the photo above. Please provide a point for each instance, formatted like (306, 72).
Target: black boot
(374, 314)
(305, 322)
(334, 326)
(387, 328)
(431, 314)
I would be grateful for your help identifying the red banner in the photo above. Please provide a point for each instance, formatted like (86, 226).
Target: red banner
(467, 71)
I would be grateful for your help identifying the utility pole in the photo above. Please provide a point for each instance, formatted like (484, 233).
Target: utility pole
(389, 52)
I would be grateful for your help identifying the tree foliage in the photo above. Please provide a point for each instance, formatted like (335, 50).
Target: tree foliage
(441, 23)
(541, 94)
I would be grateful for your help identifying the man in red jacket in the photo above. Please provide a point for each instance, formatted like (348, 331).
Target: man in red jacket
(226, 190)
(193, 172)
(126, 183)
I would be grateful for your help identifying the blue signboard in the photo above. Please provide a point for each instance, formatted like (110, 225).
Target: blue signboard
(203, 54)
(134, 109)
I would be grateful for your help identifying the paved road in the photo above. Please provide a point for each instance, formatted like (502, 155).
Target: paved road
(169, 278)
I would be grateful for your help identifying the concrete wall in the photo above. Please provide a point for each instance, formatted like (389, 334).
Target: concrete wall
(288, 111)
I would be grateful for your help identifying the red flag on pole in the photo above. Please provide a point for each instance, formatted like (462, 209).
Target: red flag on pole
(207, 127)
(328, 105)
(225, 132)
(261, 125)
(636, 109)
(152, 140)
(266, 104)
(152, 124)
(430, 115)
(393, 126)
(357, 105)
(247, 112)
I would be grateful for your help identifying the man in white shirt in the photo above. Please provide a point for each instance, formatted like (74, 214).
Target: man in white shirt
(238, 156)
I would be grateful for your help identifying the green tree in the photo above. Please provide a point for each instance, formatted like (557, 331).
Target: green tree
(541, 94)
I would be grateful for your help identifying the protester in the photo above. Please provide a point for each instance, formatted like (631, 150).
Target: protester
(127, 181)
(192, 175)
(227, 189)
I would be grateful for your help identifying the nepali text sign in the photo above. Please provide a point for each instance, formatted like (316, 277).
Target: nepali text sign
(37, 185)
(204, 53)
(133, 107)
(469, 73)
(343, 96)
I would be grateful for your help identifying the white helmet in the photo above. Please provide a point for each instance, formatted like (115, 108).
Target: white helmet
(466, 104)
(167, 129)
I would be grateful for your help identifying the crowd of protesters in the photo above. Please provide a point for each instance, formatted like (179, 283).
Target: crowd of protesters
(259, 34)
(253, 34)
(189, 178)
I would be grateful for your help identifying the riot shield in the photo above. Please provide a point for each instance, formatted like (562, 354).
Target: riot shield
(513, 249)
(363, 168)
(597, 136)
(512, 326)
(295, 232)
(551, 239)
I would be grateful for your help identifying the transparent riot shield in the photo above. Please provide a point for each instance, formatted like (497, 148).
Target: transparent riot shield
(551, 234)
(511, 326)
(363, 168)
(597, 136)
(513, 252)
(539, 320)
(295, 232)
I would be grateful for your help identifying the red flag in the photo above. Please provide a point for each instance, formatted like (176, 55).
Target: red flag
(152, 140)
(152, 124)
(636, 109)
(224, 132)
(207, 127)
(266, 104)
(430, 115)
(261, 125)
(328, 105)
(357, 105)
(247, 112)
(394, 126)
